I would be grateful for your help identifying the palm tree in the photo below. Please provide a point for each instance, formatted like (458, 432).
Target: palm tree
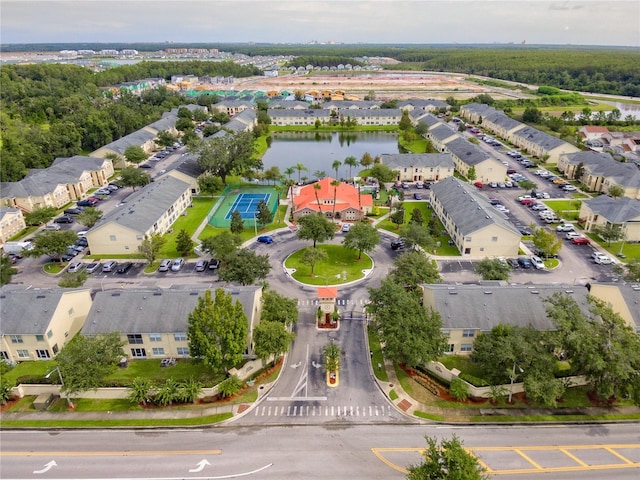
(351, 162)
(289, 171)
(331, 356)
(300, 167)
(335, 184)
(316, 189)
(336, 165)
(140, 391)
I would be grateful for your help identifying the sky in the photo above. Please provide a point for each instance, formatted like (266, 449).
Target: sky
(575, 22)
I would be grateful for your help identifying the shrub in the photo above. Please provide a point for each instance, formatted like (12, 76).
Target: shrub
(230, 386)
(459, 389)
(475, 381)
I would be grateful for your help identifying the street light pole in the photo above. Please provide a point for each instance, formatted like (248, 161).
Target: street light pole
(57, 369)
(255, 222)
(513, 377)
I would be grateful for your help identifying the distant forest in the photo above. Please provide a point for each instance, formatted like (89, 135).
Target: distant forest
(611, 70)
(55, 110)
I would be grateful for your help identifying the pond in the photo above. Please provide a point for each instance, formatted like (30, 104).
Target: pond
(318, 150)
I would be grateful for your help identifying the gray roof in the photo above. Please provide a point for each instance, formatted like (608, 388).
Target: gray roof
(167, 121)
(618, 210)
(502, 120)
(409, 160)
(421, 103)
(154, 310)
(375, 112)
(311, 112)
(288, 104)
(467, 152)
(631, 296)
(429, 118)
(27, 311)
(7, 210)
(469, 210)
(136, 139)
(144, 207)
(74, 166)
(479, 108)
(604, 165)
(342, 104)
(442, 131)
(232, 104)
(485, 306)
(535, 136)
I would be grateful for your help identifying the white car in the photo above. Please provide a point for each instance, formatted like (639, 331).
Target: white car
(346, 227)
(177, 264)
(537, 262)
(75, 267)
(538, 207)
(569, 188)
(603, 260)
(572, 235)
(502, 208)
(565, 227)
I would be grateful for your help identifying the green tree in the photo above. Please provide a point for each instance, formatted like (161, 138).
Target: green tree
(230, 154)
(245, 267)
(410, 333)
(615, 191)
(236, 225)
(611, 232)
(209, 183)
(397, 217)
(165, 139)
(40, 216)
(230, 386)
(600, 346)
(633, 270)
(414, 268)
(140, 391)
(405, 121)
(459, 389)
(493, 269)
(336, 166)
(367, 160)
(351, 162)
(189, 390)
(52, 243)
(5, 391)
(264, 216)
(331, 357)
(135, 154)
(319, 174)
(416, 216)
(277, 308)
(167, 393)
(6, 270)
(300, 168)
(184, 243)
(383, 173)
(311, 256)
(361, 237)
(546, 241)
(133, 177)
(415, 235)
(471, 174)
(531, 115)
(315, 227)
(217, 330)
(73, 280)
(89, 217)
(447, 461)
(316, 188)
(85, 361)
(151, 245)
(222, 246)
(271, 338)
(527, 185)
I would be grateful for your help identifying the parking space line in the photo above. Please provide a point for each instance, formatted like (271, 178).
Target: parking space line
(527, 458)
(624, 459)
(573, 457)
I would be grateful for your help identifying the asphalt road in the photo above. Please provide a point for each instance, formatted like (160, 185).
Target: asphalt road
(337, 451)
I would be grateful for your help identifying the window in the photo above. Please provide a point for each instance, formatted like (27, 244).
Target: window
(49, 334)
(135, 338)
(16, 339)
(494, 239)
(23, 353)
(55, 349)
(71, 311)
(40, 338)
(446, 333)
(138, 352)
(183, 351)
(155, 337)
(468, 332)
(466, 347)
(138, 237)
(112, 238)
(451, 348)
(180, 337)
(158, 352)
(43, 354)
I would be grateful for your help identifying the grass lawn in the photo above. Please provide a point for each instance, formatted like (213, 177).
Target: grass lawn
(54, 267)
(195, 216)
(151, 370)
(630, 250)
(417, 146)
(95, 405)
(376, 358)
(37, 369)
(172, 422)
(462, 363)
(329, 272)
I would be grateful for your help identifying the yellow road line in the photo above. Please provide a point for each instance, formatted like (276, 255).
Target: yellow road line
(618, 466)
(555, 447)
(482, 464)
(611, 450)
(124, 453)
(573, 457)
(528, 459)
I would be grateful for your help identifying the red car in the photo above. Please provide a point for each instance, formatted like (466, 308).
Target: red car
(580, 241)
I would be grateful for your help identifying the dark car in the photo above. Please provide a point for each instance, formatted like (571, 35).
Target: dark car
(268, 239)
(545, 255)
(524, 262)
(397, 245)
(73, 211)
(513, 262)
(145, 165)
(417, 196)
(85, 203)
(82, 242)
(124, 267)
(214, 263)
(64, 219)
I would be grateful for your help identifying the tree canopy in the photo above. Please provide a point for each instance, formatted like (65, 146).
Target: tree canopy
(361, 237)
(446, 461)
(414, 268)
(230, 154)
(315, 227)
(245, 267)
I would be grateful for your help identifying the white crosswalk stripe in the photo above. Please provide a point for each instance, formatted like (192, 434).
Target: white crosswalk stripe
(323, 411)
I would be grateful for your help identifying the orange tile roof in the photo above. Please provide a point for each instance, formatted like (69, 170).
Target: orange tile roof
(346, 197)
(327, 292)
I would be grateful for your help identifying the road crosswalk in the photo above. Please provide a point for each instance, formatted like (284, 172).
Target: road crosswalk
(343, 302)
(330, 411)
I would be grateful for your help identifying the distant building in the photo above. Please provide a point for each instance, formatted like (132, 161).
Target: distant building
(418, 167)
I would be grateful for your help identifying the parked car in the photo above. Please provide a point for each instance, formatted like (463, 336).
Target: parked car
(145, 165)
(513, 262)
(565, 227)
(214, 263)
(177, 264)
(397, 245)
(73, 211)
(537, 262)
(64, 219)
(494, 201)
(124, 267)
(572, 235)
(92, 267)
(417, 196)
(201, 266)
(85, 203)
(581, 241)
(82, 233)
(109, 266)
(53, 226)
(102, 191)
(346, 227)
(165, 265)
(542, 254)
(569, 188)
(603, 260)
(268, 239)
(538, 207)
(524, 262)
(75, 267)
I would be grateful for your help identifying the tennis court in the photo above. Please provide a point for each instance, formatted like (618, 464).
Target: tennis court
(247, 204)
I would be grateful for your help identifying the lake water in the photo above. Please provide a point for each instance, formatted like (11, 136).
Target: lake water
(318, 150)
